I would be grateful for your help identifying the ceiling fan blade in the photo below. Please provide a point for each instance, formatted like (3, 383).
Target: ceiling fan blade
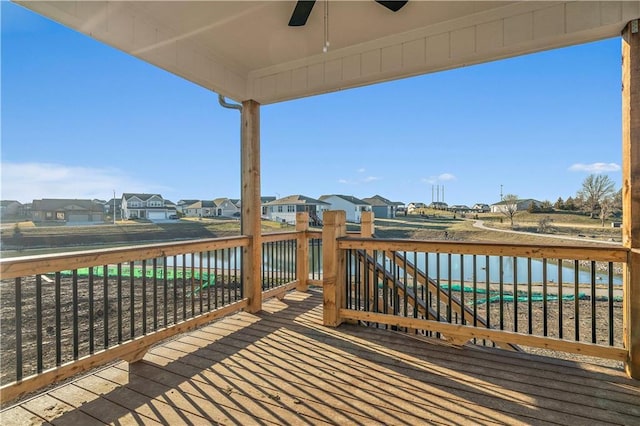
(301, 13)
(393, 6)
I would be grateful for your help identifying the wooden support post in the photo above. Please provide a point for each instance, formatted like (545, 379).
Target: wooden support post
(251, 208)
(631, 193)
(302, 254)
(333, 266)
(366, 225)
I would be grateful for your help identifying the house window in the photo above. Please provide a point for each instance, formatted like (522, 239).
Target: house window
(60, 215)
(48, 215)
(291, 209)
(279, 209)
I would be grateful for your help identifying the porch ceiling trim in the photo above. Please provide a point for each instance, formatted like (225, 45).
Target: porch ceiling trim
(221, 45)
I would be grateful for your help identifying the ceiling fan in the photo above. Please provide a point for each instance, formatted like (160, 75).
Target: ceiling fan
(303, 8)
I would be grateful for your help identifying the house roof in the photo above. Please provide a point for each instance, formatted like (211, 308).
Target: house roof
(202, 204)
(186, 202)
(245, 49)
(49, 204)
(379, 200)
(219, 201)
(522, 200)
(6, 203)
(143, 197)
(349, 198)
(296, 199)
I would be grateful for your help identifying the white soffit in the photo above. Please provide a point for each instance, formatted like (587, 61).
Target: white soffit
(245, 49)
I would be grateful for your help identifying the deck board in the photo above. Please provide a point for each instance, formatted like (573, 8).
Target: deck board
(282, 366)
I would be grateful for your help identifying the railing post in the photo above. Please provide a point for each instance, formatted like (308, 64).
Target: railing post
(366, 225)
(333, 266)
(251, 208)
(631, 193)
(366, 231)
(302, 255)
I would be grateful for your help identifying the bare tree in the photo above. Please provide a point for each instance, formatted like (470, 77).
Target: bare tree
(595, 188)
(544, 225)
(509, 206)
(607, 207)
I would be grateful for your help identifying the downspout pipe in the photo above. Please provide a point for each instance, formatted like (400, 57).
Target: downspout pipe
(229, 105)
(223, 102)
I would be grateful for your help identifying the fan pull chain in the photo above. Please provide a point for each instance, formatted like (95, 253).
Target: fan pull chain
(326, 26)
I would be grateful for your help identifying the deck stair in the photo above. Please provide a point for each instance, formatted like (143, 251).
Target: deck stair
(428, 312)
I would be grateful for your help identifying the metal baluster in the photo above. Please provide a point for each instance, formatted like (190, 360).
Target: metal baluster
(105, 304)
(18, 314)
(132, 303)
(39, 353)
(58, 321)
(560, 302)
(74, 315)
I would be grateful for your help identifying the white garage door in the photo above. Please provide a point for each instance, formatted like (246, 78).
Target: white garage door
(157, 215)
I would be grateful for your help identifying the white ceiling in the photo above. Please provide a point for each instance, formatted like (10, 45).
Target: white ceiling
(245, 49)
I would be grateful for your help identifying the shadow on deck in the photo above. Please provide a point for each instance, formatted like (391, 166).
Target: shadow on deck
(283, 367)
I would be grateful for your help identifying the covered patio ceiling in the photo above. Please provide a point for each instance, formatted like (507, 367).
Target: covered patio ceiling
(246, 50)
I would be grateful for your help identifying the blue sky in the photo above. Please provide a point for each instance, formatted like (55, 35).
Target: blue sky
(82, 120)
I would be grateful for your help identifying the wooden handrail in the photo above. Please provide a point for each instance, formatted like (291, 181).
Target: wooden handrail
(601, 254)
(43, 264)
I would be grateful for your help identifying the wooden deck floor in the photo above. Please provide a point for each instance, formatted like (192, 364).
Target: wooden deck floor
(283, 367)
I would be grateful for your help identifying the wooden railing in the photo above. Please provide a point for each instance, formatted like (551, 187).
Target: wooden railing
(67, 313)
(561, 298)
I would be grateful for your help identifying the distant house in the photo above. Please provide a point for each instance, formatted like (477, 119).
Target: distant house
(200, 209)
(113, 205)
(414, 205)
(182, 204)
(285, 209)
(11, 208)
(502, 206)
(459, 208)
(352, 206)
(481, 208)
(439, 205)
(226, 207)
(383, 208)
(263, 201)
(144, 206)
(67, 211)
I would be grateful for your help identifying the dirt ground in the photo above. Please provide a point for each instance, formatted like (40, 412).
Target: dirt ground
(97, 323)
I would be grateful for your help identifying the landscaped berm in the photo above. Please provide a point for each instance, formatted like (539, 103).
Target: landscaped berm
(282, 366)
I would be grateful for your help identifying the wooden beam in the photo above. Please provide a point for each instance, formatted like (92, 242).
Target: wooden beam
(333, 266)
(631, 192)
(279, 291)
(302, 252)
(459, 334)
(251, 207)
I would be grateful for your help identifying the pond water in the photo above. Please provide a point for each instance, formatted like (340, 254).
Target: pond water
(462, 266)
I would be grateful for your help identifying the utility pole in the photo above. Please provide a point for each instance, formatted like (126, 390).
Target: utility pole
(114, 206)
(501, 192)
